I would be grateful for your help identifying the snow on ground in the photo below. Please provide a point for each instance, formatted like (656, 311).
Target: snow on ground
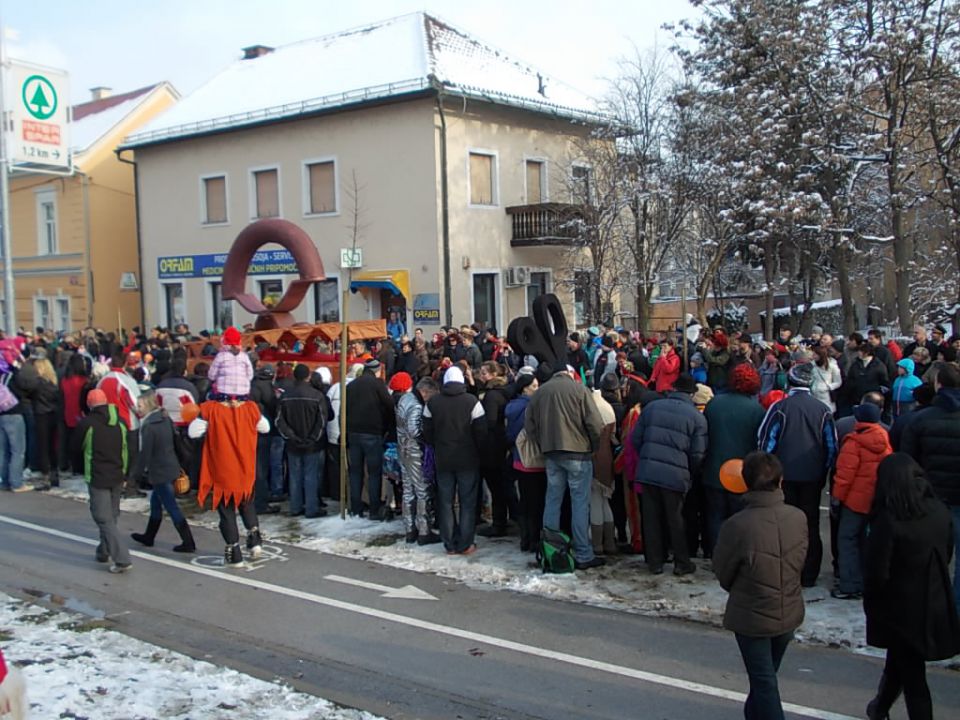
(76, 669)
(624, 584)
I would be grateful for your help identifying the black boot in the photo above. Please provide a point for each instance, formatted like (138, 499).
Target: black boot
(148, 535)
(255, 543)
(233, 556)
(879, 707)
(186, 538)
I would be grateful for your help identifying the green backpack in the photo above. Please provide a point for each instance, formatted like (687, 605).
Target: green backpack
(555, 553)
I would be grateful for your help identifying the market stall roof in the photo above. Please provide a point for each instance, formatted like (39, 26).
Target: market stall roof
(396, 281)
(356, 330)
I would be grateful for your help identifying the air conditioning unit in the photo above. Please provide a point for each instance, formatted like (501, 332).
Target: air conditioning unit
(518, 276)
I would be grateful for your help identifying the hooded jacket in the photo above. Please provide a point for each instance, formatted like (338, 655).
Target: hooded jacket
(666, 370)
(370, 409)
(671, 441)
(855, 480)
(157, 458)
(800, 431)
(494, 401)
(563, 418)
(933, 440)
(904, 385)
(302, 415)
(455, 424)
(102, 438)
(757, 559)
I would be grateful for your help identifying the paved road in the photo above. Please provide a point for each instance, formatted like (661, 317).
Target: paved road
(468, 654)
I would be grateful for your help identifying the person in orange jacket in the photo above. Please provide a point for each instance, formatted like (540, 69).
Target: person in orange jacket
(854, 485)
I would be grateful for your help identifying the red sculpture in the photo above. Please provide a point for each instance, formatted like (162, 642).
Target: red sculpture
(248, 242)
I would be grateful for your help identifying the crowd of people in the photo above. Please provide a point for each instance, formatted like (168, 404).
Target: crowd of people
(621, 447)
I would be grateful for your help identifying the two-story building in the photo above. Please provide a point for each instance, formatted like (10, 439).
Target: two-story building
(74, 237)
(448, 162)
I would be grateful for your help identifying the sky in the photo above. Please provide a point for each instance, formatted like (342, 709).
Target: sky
(127, 44)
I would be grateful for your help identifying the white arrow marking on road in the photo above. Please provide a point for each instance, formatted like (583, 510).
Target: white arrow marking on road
(407, 592)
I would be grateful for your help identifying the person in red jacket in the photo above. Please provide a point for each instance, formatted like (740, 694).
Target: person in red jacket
(854, 485)
(667, 368)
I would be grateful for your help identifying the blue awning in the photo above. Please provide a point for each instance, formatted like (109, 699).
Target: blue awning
(396, 281)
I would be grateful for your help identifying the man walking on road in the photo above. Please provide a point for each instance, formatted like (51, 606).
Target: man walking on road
(562, 418)
(454, 423)
(102, 438)
(800, 431)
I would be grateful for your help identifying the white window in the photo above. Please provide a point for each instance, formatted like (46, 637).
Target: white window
(326, 300)
(265, 193)
(536, 180)
(174, 304)
(482, 178)
(41, 313)
(321, 194)
(213, 190)
(62, 313)
(47, 222)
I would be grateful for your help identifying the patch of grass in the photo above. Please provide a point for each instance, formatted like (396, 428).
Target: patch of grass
(383, 540)
(83, 626)
(39, 618)
(6, 635)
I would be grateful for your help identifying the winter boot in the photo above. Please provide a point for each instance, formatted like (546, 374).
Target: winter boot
(148, 535)
(255, 543)
(596, 537)
(879, 707)
(609, 539)
(54, 478)
(186, 539)
(232, 556)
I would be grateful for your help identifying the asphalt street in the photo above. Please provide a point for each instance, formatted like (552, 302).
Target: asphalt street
(329, 626)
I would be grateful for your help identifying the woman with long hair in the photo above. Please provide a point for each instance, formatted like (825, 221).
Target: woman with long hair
(157, 460)
(826, 377)
(908, 598)
(46, 412)
(72, 385)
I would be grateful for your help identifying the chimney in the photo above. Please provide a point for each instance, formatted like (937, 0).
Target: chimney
(100, 92)
(255, 51)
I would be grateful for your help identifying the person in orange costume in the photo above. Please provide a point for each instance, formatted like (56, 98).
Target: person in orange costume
(228, 469)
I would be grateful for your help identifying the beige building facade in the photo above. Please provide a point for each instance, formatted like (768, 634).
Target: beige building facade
(74, 237)
(434, 183)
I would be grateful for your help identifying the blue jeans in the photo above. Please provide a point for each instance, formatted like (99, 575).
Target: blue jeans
(365, 449)
(13, 446)
(276, 464)
(305, 469)
(851, 536)
(457, 534)
(163, 497)
(955, 509)
(577, 475)
(761, 657)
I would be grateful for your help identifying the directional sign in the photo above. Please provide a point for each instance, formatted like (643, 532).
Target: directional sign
(39, 101)
(407, 592)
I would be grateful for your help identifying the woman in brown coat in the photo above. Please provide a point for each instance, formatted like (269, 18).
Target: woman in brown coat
(758, 558)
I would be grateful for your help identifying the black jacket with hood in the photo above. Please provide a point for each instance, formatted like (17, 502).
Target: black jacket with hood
(455, 424)
(933, 439)
(157, 458)
(302, 417)
(101, 437)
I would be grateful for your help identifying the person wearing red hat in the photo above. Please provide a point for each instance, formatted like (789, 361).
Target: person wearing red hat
(231, 371)
(102, 438)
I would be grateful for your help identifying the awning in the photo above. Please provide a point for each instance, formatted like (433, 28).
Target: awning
(396, 281)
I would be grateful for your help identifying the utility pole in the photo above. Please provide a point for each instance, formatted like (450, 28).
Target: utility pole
(9, 297)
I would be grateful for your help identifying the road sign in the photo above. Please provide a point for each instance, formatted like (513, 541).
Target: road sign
(38, 100)
(351, 258)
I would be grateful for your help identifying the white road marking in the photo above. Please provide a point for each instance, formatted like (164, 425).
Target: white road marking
(459, 633)
(407, 592)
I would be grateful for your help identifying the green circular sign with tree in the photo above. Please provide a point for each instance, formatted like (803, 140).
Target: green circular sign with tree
(39, 97)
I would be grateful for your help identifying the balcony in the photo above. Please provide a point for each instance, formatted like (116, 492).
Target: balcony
(546, 224)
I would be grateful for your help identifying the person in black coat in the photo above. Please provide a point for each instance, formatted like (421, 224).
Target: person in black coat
(370, 413)
(493, 461)
(907, 597)
(408, 361)
(867, 374)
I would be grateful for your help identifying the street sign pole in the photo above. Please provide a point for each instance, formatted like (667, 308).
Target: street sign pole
(10, 311)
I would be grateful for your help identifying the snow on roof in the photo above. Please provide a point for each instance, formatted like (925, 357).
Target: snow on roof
(92, 120)
(823, 305)
(407, 54)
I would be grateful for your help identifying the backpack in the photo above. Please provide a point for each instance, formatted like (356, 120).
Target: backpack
(8, 400)
(529, 453)
(555, 552)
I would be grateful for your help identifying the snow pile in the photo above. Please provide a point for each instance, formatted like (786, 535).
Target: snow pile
(75, 669)
(624, 584)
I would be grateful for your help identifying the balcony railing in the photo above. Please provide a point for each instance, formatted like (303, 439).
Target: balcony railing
(546, 224)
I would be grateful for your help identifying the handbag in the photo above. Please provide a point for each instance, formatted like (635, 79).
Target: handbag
(181, 486)
(529, 451)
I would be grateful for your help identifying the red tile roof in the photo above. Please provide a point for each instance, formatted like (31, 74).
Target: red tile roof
(95, 106)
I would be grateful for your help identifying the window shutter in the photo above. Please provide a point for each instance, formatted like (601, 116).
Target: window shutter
(268, 201)
(323, 196)
(216, 199)
(481, 179)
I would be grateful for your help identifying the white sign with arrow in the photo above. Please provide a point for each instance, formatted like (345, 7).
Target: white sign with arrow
(407, 592)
